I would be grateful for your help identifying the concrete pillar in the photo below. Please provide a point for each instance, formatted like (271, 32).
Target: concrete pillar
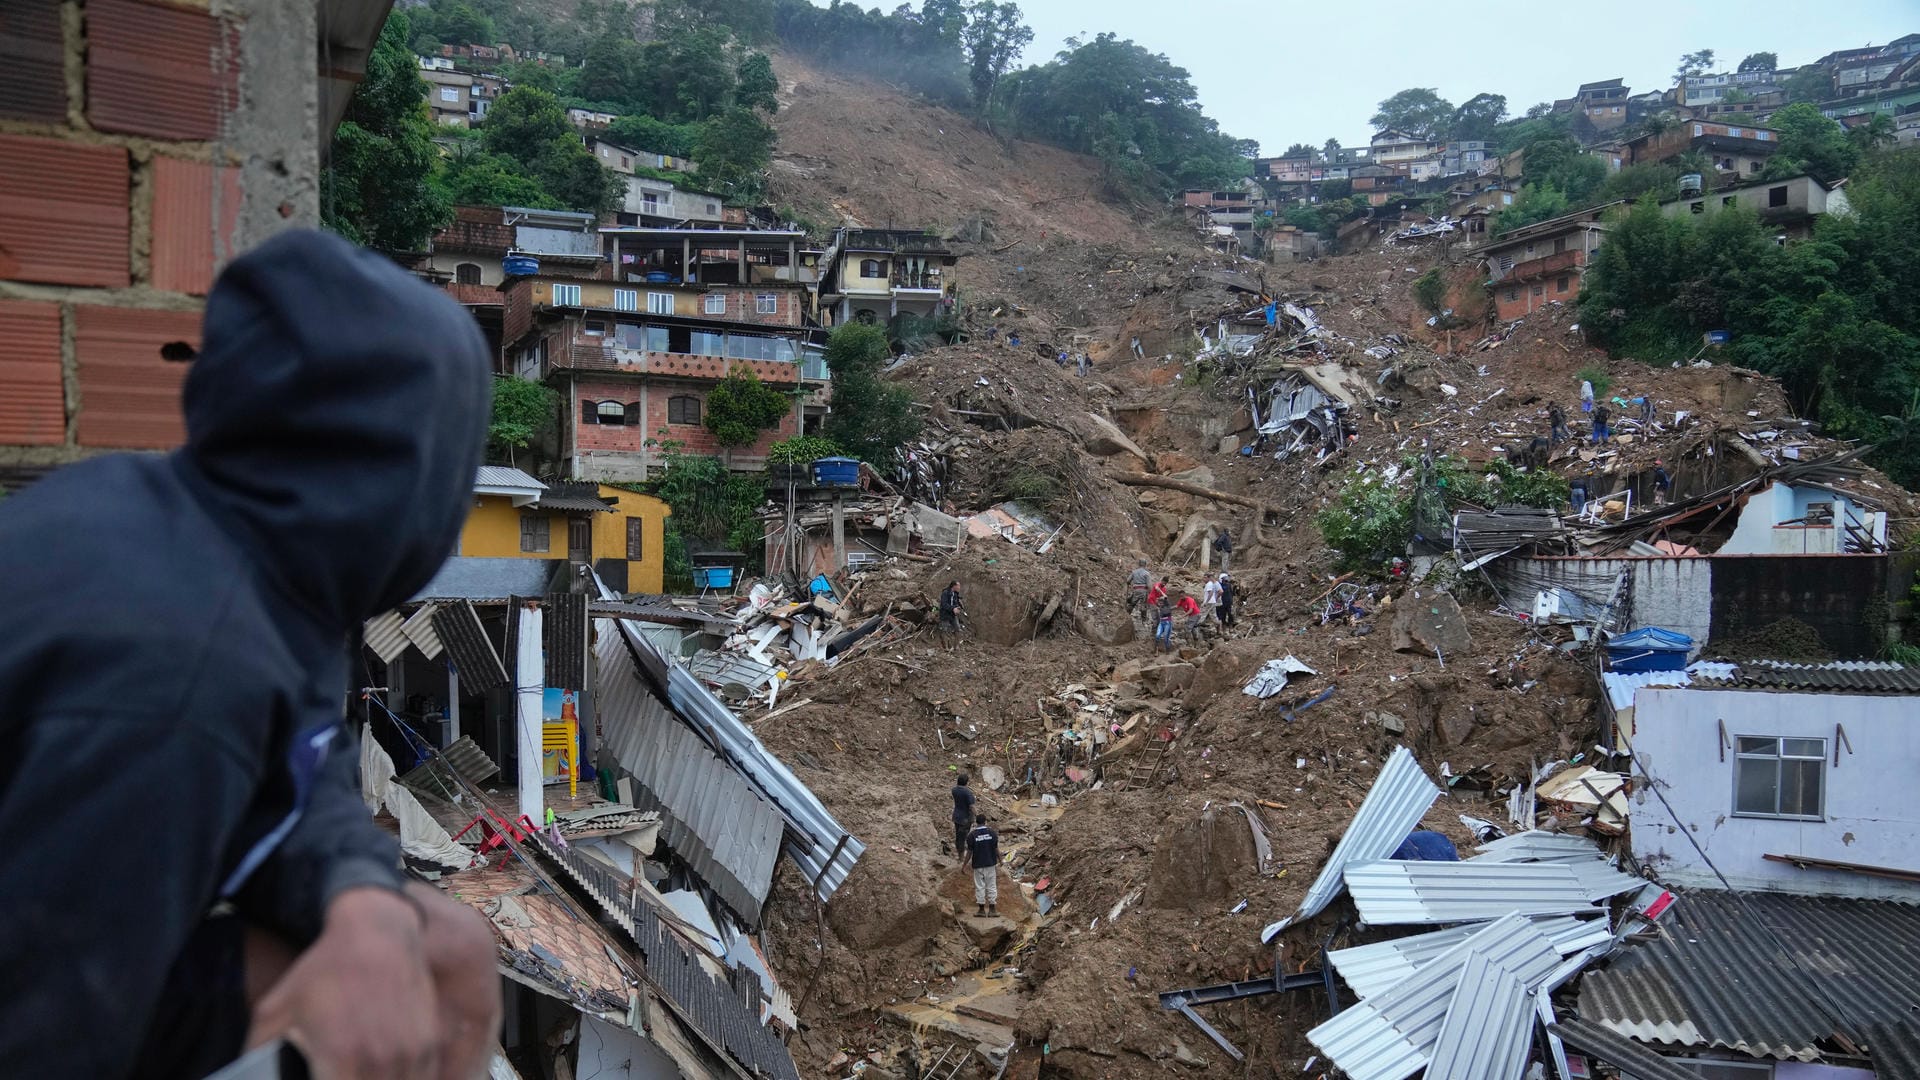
(743, 260)
(450, 732)
(839, 532)
(529, 680)
(686, 259)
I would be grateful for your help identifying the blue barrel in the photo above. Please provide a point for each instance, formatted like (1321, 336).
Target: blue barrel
(520, 265)
(659, 277)
(836, 472)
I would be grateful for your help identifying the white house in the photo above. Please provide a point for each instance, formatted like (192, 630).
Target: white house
(1804, 519)
(1782, 777)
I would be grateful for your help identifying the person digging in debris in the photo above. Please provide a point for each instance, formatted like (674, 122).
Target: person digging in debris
(1223, 547)
(983, 845)
(1227, 592)
(1557, 423)
(1163, 626)
(1601, 433)
(1662, 483)
(1138, 582)
(950, 608)
(197, 678)
(962, 815)
(1194, 621)
(1577, 494)
(1647, 411)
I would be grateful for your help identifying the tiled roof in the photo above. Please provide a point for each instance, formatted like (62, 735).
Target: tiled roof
(1858, 676)
(1764, 974)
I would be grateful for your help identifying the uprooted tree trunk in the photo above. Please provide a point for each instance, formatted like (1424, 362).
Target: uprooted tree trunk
(1145, 480)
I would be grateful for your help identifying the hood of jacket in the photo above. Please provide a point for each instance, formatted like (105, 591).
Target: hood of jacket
(335, 417)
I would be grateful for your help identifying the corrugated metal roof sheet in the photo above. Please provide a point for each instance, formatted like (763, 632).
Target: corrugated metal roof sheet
(725, 1012)
(1620, 1052)
(468, 647)
(1389, 892)
(1391, 1035)
(383, 635)
(1488, 1027)
(1856, 676)
(1715, 978)
(823, 850)
(1395, 803)
(711, 817)
(506, 476)
(1376, 967)
(464, 578)
(1537, 845)
(419, 629)
(721, 668)
(563, 636)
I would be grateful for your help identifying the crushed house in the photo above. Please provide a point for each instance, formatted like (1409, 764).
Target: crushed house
(1542, 263)
(634, 358)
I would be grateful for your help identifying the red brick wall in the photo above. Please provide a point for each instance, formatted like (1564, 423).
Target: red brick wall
(108, 215)
(742, 305)
(654, 425)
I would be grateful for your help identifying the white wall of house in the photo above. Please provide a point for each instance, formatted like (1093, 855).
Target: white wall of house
(1760, 532)
(1865, 812)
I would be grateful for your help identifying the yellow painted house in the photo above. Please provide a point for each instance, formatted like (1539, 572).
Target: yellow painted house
(621, 533)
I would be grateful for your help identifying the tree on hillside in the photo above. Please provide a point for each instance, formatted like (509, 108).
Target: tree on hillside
(1811, 143)
(1877, 133)
(1298, 150)
(756, 84)
(529, 127)
(522, 411)
(1478, 118)
(612, 69)
(642, 132)
(374, 189)
(870, 417)
(473, 177)
(992, 38)
(1757, 62)
(1534, 204)
(733, 153)
(1693, 64)
(1810, 83)
(1330, 149)
(1418, 111)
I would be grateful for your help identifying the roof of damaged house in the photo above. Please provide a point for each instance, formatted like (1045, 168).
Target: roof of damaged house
(1849, 676)
(468, 578)
(1764, 974)
(1587, 218)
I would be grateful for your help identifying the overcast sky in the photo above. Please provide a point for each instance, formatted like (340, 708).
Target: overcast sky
(1285, 72)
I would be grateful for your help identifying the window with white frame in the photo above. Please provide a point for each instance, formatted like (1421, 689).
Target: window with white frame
(595, 328)
(566, 296)
(626, 300)
(766, 304)
(715, 303)
(449, 93)
(1779, 777)
(659, 303)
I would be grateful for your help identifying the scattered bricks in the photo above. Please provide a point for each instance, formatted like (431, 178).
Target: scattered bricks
(33, 407)
(33, 79)
(129, 395)
(63, 212)
(183, 236)
(158, 70)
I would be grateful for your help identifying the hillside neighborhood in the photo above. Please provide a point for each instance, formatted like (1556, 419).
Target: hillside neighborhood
(961, 588)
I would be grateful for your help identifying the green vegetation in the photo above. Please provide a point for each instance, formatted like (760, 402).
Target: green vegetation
(1595, 376)
(1836, 317)
(992, 36)
(522, 411)
(1419, 111)
(713, 507)
(1371, 521)
(801, 450)
(1430, 290)
(373, 190)
(870, 417)
(1812, 144)
(740, 407)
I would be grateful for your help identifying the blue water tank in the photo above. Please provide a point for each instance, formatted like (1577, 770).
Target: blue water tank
(836, 472)
(520, 265)
(659, 277)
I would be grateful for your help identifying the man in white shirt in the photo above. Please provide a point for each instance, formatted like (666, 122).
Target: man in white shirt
(1210, 596)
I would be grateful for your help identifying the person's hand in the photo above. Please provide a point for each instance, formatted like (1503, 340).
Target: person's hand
(359, 1003)
(460, 957)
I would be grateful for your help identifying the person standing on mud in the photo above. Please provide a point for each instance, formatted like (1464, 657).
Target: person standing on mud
(1557, 423)
(1223, 547)
(983, 851)
(962, 814)
(1138, 583)
(1210, 597)
(950, 609)
(1226, 602)
(1163, 612)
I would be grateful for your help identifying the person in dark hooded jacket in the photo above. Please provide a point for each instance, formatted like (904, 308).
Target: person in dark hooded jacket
(174, 680)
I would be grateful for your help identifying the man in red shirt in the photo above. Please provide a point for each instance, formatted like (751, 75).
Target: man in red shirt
(1190, 607)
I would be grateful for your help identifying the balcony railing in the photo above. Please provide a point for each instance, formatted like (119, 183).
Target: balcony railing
(1548, 264)
(589, 357)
